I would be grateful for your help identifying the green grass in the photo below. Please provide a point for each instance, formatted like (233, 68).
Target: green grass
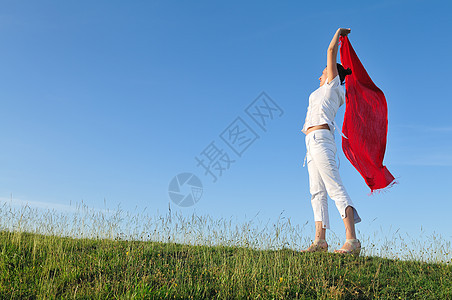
(101, 254)
(45, 266)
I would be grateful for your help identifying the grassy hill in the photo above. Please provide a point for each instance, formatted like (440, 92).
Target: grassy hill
(47, 266)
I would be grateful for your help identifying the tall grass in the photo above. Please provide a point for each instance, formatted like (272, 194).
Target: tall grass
(85, 222)
(86, 252)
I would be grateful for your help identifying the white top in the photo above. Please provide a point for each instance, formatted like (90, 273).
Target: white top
(324, 103)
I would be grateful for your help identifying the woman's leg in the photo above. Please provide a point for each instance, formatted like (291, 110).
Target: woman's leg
(319, 243)
(319, 196)
(323, 152)
(349, 224)
(319, 202)
(351, 245)
(320, 232)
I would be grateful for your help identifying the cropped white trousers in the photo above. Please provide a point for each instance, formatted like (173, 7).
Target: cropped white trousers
(324, 177)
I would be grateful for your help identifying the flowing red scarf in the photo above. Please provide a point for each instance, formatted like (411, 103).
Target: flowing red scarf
(365, 122)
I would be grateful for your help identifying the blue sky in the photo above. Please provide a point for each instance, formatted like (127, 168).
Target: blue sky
(109, 100)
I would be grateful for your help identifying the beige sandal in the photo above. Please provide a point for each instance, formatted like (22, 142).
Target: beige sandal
(315, 246)
(355, 250)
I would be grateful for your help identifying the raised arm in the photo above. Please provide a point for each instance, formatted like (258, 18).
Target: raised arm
(331, 67)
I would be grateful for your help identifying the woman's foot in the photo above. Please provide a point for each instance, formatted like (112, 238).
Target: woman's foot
(317, 246)
(351, 246)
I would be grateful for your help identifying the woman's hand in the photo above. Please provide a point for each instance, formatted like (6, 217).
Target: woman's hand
(344, 31)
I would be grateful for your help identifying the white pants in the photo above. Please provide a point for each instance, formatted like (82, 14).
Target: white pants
(324, 177)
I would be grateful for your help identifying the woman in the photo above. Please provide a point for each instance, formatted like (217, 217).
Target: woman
(321, 151)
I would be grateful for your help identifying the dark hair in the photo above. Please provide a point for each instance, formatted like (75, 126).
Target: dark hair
(343, 72)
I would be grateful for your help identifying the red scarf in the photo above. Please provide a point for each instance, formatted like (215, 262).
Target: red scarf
(365, 122)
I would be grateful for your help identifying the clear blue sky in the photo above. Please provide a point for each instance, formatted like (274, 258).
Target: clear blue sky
(112, 99)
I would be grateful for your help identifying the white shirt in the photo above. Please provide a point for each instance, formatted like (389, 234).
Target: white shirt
(324, 103)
